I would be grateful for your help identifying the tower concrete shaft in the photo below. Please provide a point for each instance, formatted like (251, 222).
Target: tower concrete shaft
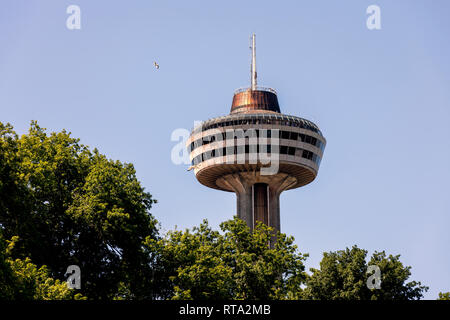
(258, 197)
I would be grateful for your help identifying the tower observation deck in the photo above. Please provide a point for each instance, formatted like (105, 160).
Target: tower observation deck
(256, 152)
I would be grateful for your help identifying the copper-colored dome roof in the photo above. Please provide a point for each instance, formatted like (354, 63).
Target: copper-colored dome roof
(255, 101)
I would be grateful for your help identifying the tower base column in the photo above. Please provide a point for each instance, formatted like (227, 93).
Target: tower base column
(258, 197)
(244, 197)
(274, 209)
(245, 206)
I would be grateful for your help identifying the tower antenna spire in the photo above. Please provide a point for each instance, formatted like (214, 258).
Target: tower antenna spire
(253, 65)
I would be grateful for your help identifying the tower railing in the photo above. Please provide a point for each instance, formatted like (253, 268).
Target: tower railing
(239, 90)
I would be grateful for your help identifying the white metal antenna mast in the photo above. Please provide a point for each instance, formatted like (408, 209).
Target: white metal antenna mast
(253, 65)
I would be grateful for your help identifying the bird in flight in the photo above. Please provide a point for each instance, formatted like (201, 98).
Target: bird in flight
(156, 65)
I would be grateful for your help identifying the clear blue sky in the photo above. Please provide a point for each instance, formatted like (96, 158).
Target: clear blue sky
(381, 98)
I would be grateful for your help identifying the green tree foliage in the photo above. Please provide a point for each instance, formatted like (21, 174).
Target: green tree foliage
(444, 296)
(234, 264)
(62, 204)
(342, 276)
(23, 280)
(8, 286)
(72, 206)
(32, 282)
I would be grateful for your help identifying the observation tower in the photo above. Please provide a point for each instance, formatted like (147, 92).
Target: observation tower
(256, 152)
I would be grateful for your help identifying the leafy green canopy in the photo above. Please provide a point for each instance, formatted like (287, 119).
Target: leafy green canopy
(234, 264)
(444, 296)
(343, 276)
(23, 280)
(62, 204)
(71, 206)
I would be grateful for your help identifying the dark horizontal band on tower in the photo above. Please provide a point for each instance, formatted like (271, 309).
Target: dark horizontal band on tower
(288, 135)
(256, 149)
(257, 118)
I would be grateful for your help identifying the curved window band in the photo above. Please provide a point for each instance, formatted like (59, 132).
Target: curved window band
(275, 120)
(233, 151)
(288, 135)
